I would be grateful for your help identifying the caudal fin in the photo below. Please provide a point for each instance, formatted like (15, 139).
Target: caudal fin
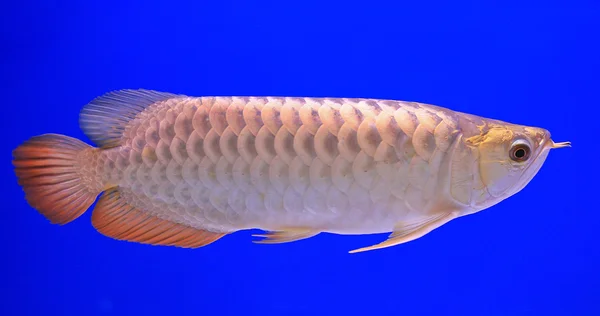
(48, 169)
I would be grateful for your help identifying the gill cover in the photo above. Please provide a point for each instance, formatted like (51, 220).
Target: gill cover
(503, 155)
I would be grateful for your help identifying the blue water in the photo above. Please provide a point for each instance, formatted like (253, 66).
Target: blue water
(528, 62)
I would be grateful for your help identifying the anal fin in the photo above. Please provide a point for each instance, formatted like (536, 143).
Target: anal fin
(286, 235)
(115, 218)
(407, 232)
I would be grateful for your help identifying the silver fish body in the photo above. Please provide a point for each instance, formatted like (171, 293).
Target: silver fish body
(298, 166)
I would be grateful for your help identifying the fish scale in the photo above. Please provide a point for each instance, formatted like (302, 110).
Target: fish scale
(185, 171)
(229, 145)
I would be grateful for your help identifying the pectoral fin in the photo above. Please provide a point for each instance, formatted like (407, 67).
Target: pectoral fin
(287, 235)
(405, 232)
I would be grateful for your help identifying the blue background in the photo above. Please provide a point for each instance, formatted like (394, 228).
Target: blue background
(528, 62)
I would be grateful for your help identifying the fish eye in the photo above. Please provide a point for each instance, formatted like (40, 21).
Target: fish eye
(520, 151)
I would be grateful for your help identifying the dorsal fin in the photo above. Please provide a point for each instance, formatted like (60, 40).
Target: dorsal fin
(103, 120)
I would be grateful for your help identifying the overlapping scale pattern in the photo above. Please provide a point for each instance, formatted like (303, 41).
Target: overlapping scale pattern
(337, 165)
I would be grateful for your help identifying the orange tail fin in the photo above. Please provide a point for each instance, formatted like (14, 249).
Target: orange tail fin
(48, 169)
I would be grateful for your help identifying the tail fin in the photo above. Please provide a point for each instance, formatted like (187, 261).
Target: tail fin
(48, 169)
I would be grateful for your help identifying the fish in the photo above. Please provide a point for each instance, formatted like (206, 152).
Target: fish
(175, 170)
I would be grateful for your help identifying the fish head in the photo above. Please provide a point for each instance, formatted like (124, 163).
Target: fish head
(509, 156)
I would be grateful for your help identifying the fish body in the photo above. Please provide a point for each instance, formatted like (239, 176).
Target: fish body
(186, 171)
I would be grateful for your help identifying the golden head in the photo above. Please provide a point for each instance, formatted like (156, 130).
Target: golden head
(509, 156)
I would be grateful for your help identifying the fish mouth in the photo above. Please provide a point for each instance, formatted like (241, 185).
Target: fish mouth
(547, 146)
(547, 143)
